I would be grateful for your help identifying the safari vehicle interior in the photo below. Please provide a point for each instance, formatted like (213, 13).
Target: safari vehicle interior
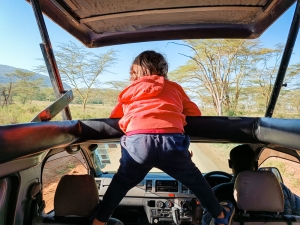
(26, 149)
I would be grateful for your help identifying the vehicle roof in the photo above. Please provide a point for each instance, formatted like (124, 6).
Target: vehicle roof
(99, 23)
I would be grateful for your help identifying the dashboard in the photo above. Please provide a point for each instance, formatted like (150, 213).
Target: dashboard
(163, 199)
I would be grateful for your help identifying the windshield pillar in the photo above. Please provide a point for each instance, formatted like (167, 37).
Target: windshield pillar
(288, 50)
(49, 57)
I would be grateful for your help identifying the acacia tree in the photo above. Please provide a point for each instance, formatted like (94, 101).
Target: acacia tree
(81, 69)
(117, 85)
(24, 85)
(111, 93)
(7, 90)
(219, 70)
(294, 97)
(291, 93)
(263, 76)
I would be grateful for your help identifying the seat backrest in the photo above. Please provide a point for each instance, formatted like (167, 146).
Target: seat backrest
(5, 186)
(75, 201)
(258, 191)
(76, 195)
(259, 195)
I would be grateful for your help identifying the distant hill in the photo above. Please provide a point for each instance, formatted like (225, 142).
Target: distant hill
(9, 69)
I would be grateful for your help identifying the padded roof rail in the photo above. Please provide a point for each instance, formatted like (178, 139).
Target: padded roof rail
(20, 140)
(284, 132)
(25, 139)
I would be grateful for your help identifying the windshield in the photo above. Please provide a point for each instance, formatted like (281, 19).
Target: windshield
(206, 156)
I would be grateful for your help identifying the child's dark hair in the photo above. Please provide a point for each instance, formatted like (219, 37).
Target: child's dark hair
(148, 63)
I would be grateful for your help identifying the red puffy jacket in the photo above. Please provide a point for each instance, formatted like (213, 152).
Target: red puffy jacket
(153, 102)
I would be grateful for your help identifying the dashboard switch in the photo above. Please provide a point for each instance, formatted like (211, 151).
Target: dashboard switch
(153, 211)
(160, 204)
(168, 204)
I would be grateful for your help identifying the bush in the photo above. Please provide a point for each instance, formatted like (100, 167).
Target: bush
(33, 109)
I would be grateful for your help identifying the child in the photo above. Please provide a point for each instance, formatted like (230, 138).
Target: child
(152, 111)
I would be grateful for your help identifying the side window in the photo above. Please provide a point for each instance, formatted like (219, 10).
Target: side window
(57, 166)
(288, 170)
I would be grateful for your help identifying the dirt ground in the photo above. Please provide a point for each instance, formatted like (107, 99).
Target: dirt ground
(53, 171)
(292, 175)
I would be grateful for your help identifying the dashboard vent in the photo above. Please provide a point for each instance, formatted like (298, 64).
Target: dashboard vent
(98, 183)
(148, 185)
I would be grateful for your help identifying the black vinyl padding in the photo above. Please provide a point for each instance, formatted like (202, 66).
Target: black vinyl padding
(222, 129)
(19, 140)
(95, 129)
(284, 132)
(24, 139)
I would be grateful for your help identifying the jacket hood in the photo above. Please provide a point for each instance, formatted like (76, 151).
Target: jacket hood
(142, 88)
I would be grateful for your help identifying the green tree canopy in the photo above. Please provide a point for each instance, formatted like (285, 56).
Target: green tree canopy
(223, 72)
(23, 85)
(81, 69)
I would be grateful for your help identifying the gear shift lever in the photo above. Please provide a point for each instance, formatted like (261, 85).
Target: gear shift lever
(176, 215)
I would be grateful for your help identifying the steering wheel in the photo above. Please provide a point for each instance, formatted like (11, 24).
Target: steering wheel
(213, 182)
(212, 173)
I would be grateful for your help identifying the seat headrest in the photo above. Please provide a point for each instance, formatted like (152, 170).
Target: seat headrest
(258, 191)
(76, 195)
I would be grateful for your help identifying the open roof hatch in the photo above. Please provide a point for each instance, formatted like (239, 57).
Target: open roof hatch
(99, 23)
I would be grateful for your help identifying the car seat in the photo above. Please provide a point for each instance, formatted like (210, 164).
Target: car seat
(75, 201)
(5, 186)
(259, 196)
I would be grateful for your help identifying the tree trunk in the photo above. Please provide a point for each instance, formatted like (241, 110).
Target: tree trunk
(219, 108)
(84, 103)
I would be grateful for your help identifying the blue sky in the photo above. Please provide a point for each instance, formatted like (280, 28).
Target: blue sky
(20, 39)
